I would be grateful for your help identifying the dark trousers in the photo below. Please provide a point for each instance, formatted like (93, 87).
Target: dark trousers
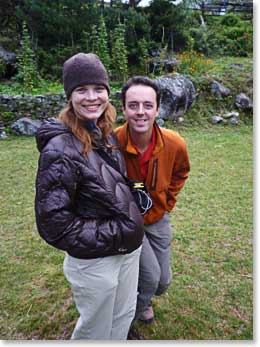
(155, 270)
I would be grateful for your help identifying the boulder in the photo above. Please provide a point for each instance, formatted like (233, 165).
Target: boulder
(25, 126)
(232, 114)
(219, 90)
(160, 122)
(177, 96)
(243, 102)
(216, 119)
(10, 59)
(164, 65)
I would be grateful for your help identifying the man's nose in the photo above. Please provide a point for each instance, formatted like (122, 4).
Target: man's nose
(140, 109)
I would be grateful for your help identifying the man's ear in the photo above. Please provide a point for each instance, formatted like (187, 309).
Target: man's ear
(123, 110)
(158, 111)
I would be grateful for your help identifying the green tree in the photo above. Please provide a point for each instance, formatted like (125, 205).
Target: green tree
(102, 44)
(119, 53)
(58, 22)
(26, 63)
(168, 23)
(143, 56)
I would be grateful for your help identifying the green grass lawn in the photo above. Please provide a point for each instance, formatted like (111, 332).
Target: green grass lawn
(211, 296)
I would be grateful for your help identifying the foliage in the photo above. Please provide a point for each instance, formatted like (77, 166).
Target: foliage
(236, 36)
(206, 41)
(143, 56)
(26, 63)
(137, 28)
(235, 74)
(102, 44)
(59, 29)
(168, 23)
(51, 60)
(2, 67)
(119, 53)
(238, 40)
(211, 296)
(59, 22)
(44, 87)
(193, 63)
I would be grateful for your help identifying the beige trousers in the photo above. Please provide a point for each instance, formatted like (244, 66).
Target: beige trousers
(105, 293)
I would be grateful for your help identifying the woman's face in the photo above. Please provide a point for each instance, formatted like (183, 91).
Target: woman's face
(89, 101)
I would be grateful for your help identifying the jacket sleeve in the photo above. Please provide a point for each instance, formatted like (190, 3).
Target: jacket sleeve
(60, 226)
(180, 173)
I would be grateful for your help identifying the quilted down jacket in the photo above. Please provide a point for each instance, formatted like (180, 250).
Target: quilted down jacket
(82, 205)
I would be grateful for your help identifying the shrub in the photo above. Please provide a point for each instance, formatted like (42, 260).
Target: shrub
(2, 67)
(26, 63)
(193, 63)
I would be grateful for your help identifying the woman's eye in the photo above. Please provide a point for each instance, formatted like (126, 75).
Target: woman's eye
(80, 90)
(100, 89)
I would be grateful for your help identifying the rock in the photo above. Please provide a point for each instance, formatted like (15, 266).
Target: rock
(216, 119)
(243, 102)
(234, 121)
(177, 96)
(25, 126)
(10, 60)
(164, 65)
(120, 119)
(3, 135)
(219, 90)
(236, 65)
(180, 120)
(160, 122)
(231, 115)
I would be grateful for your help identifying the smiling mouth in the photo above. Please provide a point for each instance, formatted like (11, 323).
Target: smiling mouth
(138, 120)
(91, 107)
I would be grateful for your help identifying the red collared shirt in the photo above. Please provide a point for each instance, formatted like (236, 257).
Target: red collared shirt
(143, 159)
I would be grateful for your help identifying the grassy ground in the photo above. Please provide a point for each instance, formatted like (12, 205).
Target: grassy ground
(211, 297)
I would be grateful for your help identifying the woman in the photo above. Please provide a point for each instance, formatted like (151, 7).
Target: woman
(84, 207)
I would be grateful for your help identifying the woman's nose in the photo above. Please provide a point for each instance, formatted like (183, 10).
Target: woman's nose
(91, 94)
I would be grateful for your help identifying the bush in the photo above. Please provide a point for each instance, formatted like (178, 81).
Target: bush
(26, 63)
(237, 40)
(235, 37)
(193, 63)
(2, 67)
(51, 61)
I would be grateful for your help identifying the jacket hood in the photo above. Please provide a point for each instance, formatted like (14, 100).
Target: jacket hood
(49, 129)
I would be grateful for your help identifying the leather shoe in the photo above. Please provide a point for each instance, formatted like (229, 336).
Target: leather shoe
(147, 316)
(134, 334)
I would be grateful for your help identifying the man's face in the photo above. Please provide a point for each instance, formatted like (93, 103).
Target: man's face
(140, 108)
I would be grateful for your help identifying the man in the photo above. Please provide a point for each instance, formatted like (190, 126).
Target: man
(157, 156)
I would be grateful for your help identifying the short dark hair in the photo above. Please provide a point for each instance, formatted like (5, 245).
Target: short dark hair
(140, 80)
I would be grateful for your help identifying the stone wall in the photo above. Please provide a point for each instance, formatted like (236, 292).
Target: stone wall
(13, 107)
(178, 95)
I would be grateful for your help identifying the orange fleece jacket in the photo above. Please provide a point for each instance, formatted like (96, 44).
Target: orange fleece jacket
(168, 168)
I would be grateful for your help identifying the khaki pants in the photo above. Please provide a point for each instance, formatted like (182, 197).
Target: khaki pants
(105, 292)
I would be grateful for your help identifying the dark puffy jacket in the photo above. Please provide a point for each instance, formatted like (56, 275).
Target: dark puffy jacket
(82, 205)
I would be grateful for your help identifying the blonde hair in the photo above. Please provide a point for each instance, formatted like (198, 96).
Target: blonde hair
(76, 124)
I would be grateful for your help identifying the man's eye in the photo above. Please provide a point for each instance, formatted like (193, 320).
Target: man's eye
(148, 106)
(132, 106)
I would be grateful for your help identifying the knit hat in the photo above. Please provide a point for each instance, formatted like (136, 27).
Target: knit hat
(83, 69)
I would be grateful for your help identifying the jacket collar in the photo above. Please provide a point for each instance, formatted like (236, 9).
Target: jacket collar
(128, 146)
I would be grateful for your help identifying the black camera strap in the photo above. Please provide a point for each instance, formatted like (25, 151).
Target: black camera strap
(138, 189)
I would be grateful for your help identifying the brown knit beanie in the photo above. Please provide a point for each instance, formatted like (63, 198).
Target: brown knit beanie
(83, 69)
